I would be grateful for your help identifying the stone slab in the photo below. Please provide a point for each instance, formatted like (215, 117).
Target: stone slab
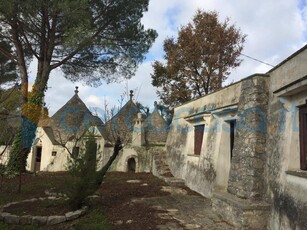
(11, 219)
(39, 220)
(55, 220)
(25, 220)
(73, 215)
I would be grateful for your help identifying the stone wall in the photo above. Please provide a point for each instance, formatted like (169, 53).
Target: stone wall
(242, 203)
(246, 178)
(242, 213)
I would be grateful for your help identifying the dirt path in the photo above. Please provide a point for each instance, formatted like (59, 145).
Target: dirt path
(125, 201)
(170, 208)
(187, 212)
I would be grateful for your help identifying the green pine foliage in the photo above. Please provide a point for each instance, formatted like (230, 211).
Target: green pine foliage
(90, 41)
(8, 72)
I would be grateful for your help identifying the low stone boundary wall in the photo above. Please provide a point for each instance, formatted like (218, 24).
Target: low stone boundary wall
(242, 213)
(39, 220)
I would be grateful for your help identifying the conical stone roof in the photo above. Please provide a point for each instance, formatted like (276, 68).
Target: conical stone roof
(156, 128)
(121, 125)
(72, 120)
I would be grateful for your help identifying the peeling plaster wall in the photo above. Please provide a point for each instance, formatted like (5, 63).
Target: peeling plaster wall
(287, 191)
(46, 156)
(289, 71)
(142, 155)
(199, 172)
(266, 156)
(54, 163)
(59, 161)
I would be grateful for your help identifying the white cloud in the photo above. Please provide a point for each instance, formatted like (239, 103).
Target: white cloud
(275, 30)
(94, 101)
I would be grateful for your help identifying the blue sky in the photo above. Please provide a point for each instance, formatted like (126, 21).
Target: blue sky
(275, 30)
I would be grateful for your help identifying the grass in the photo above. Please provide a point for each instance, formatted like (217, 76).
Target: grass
(4, 226)
(94, 220)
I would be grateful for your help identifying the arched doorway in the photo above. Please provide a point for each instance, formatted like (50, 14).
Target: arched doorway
(131, 165)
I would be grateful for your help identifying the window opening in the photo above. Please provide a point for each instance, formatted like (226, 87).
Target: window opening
(232, 136)
(303, 135)
(38, 154)
(198, 138)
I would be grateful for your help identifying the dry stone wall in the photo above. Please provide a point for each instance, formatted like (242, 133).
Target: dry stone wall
(246, 178)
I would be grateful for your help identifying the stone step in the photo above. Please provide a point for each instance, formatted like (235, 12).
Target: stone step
(242, 213)
(162, 169)
(173, 181)
(164, 172)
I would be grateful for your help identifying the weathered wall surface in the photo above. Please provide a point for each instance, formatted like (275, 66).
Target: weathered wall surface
(248, 162)
(58, 162)
(287, 184)
(265, 165)
(46, 156)
(141, 155)
(291, 70)
(200, 171)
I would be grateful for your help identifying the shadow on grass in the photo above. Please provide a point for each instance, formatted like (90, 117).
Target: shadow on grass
(4, 226)
(93, 220)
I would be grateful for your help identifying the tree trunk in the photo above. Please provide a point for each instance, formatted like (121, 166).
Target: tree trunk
(103, 171)
(30, 106)
(31, 112)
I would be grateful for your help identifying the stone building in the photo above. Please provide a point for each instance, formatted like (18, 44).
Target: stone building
(66, 132)
(245, 147)
(142, 137)
(121, 124)
(156, 128)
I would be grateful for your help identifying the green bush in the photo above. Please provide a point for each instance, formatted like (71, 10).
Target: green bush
(83, 170)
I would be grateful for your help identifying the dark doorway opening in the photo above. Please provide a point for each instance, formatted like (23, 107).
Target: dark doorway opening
(90, 155)
(38, 158)
(131, 165)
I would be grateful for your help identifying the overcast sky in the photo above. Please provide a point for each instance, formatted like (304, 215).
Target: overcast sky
(275, 29)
